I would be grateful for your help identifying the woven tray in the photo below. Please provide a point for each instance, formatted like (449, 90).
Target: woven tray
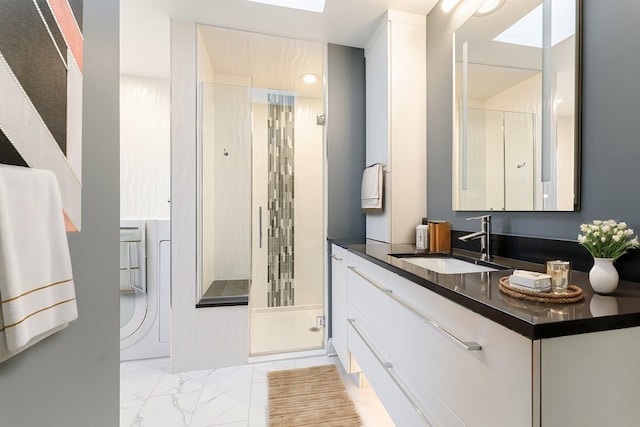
(573, 294)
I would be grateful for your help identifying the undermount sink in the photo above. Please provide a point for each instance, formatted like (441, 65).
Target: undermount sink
(448, 265)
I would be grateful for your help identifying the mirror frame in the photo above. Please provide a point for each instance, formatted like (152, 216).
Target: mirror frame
(577, 157)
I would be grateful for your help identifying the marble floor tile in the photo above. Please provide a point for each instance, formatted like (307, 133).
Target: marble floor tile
(174, 410)
(138, 385)
(225, 397)
(158, 364)
(260, 370)
(314, 361)
(180, 383)
(258, 405)
(228, 397)
(129, 410)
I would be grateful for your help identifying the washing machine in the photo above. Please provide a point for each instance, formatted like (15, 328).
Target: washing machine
(145, 288)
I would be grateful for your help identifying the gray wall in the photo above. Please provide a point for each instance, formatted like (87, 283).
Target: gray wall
(72, 378)
(345, 140)
(610, 125)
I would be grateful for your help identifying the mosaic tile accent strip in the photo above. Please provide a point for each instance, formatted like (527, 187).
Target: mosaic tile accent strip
(280, 270)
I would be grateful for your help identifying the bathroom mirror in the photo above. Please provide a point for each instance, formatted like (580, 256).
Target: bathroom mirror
(516, 119)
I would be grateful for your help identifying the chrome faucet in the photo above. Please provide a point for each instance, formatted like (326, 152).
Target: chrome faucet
(484, 235)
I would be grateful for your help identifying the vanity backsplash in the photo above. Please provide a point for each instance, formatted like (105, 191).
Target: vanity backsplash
(540, 250)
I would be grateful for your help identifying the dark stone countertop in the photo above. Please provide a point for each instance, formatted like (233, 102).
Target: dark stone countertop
(480, 293)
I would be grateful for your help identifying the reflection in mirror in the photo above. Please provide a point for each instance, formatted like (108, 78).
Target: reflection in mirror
(516, 103)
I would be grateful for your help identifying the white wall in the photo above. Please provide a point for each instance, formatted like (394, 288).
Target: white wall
(145, 165)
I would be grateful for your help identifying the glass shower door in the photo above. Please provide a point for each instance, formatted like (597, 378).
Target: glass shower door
(287, 294)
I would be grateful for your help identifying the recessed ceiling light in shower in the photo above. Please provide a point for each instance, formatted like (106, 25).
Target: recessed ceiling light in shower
(309, 78)
(309, 5)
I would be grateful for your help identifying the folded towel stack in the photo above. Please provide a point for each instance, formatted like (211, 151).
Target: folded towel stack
(37, 294)
(372, 188)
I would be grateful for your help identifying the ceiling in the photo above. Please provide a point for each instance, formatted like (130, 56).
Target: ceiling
(144, 24)
(269, 62)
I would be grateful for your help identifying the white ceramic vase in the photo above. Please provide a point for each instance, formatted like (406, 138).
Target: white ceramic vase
(603, 276)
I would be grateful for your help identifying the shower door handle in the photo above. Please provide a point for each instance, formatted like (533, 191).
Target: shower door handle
(260, 226)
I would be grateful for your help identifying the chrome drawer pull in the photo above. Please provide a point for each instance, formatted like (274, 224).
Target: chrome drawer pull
(336, 257)
(388, 367)
(373, 282)
(467, 345)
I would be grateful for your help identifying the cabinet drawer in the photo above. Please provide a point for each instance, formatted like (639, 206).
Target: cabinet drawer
(407, 398)
(490, 386)
(398, 407)
(374, 272)
(339, 253)
(371, 299)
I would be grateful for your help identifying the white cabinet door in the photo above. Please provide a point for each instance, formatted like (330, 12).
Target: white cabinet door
(591, 379)
(339, 304)
(487, 387)
(395, 60)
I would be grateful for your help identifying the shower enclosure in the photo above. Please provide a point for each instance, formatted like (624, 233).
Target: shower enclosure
(261, 194)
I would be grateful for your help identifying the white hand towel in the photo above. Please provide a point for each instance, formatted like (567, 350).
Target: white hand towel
(37, 295)
(372, 191)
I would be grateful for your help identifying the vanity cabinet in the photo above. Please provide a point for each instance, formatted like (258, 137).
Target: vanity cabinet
(395, 64)
(590, 379)
(339, 304)
(420, 348)
(433, 361)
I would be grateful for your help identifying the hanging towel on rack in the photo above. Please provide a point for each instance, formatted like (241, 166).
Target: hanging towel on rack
(37, 294)
(372, 191)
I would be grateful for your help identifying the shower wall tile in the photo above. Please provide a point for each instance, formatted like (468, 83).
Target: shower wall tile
(231, 181)
(144, 148)
(309, 209)
(281, 193)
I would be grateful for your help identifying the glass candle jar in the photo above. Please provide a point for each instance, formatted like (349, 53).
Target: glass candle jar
(560, 272)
